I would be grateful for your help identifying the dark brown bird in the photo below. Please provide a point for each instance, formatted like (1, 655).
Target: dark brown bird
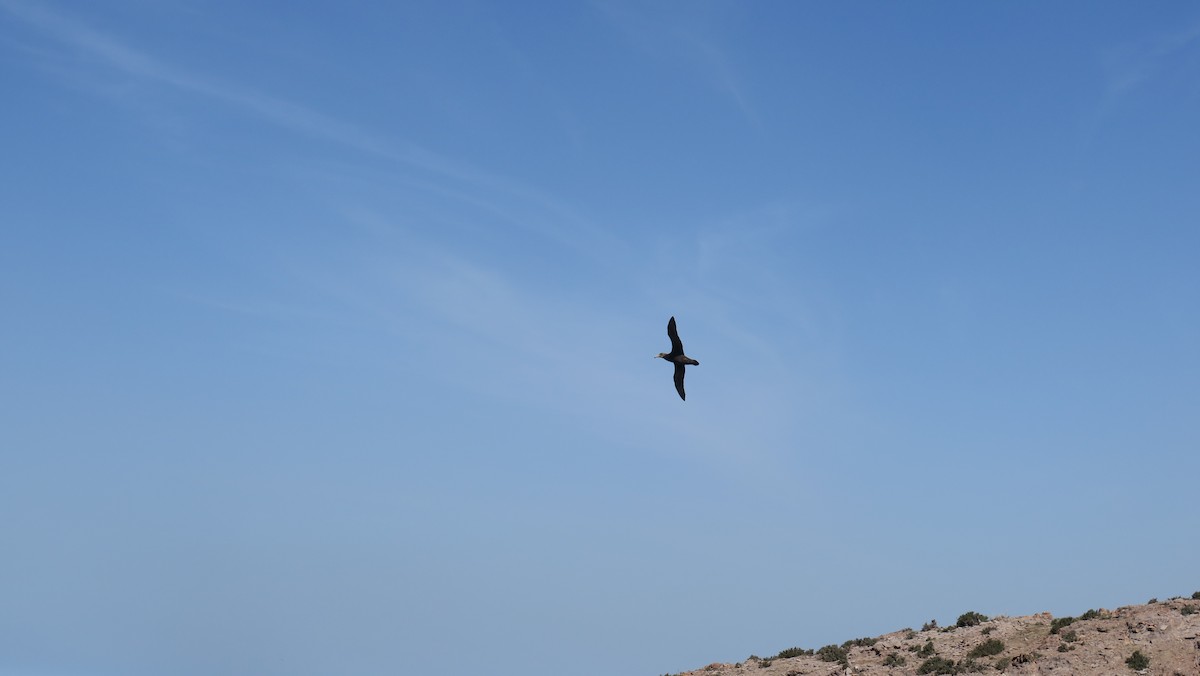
(677, 357)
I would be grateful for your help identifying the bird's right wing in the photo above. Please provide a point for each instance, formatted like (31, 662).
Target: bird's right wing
(679, 371)
(676, 343)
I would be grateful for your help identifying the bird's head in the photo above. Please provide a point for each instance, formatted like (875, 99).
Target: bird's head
(661, 355)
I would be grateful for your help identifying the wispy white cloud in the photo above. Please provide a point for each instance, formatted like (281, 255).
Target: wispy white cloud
(1130, 66)
(110, 51)
(689, 42)
(524, 206)
(724, 75)
(84, 38)
(499, 337)
(461, 308)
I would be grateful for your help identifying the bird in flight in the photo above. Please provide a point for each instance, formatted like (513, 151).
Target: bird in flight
(677, 357)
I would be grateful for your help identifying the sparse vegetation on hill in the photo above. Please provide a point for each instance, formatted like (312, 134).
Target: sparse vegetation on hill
(1097, 642)
(970, 619)
(989, 647)
(833, 653)
(1059, 622)
(1138, 661)
(936, 665)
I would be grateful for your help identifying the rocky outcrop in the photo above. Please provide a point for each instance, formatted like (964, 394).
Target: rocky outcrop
(1100, 642)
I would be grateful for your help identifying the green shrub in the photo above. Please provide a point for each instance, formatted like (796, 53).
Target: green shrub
(926, 650)
(988, 630)
(910, 634)
(1090, 615)
(992, 646)
(1138, 661)
(1060, 622)
(970, 619)
(895, 660)
(1152, 601)
(763, 664)
(860, 642)
(1196, 596)
(1189, 610)
(936, 665)
(833, 653)
(968, 666)
(932, 624)
(792, 652)
(1017, 660)
(1069, 636)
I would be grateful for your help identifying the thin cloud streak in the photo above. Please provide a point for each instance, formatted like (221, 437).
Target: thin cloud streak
(136, 63)
(1129, 72)
(688, 44)
(85, 39)
(590, 363)
(1130, 67)
(521, 329)
(726, 77)
(560, 222)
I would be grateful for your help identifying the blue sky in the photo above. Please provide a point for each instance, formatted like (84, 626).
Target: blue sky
(327, 328)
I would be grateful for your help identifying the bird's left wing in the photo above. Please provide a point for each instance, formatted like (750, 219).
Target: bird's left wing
(676, 343)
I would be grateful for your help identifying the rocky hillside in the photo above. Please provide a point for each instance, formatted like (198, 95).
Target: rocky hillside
(1155, 638)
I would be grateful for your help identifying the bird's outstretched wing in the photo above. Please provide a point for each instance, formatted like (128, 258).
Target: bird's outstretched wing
(679, 370)
(676, 347)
